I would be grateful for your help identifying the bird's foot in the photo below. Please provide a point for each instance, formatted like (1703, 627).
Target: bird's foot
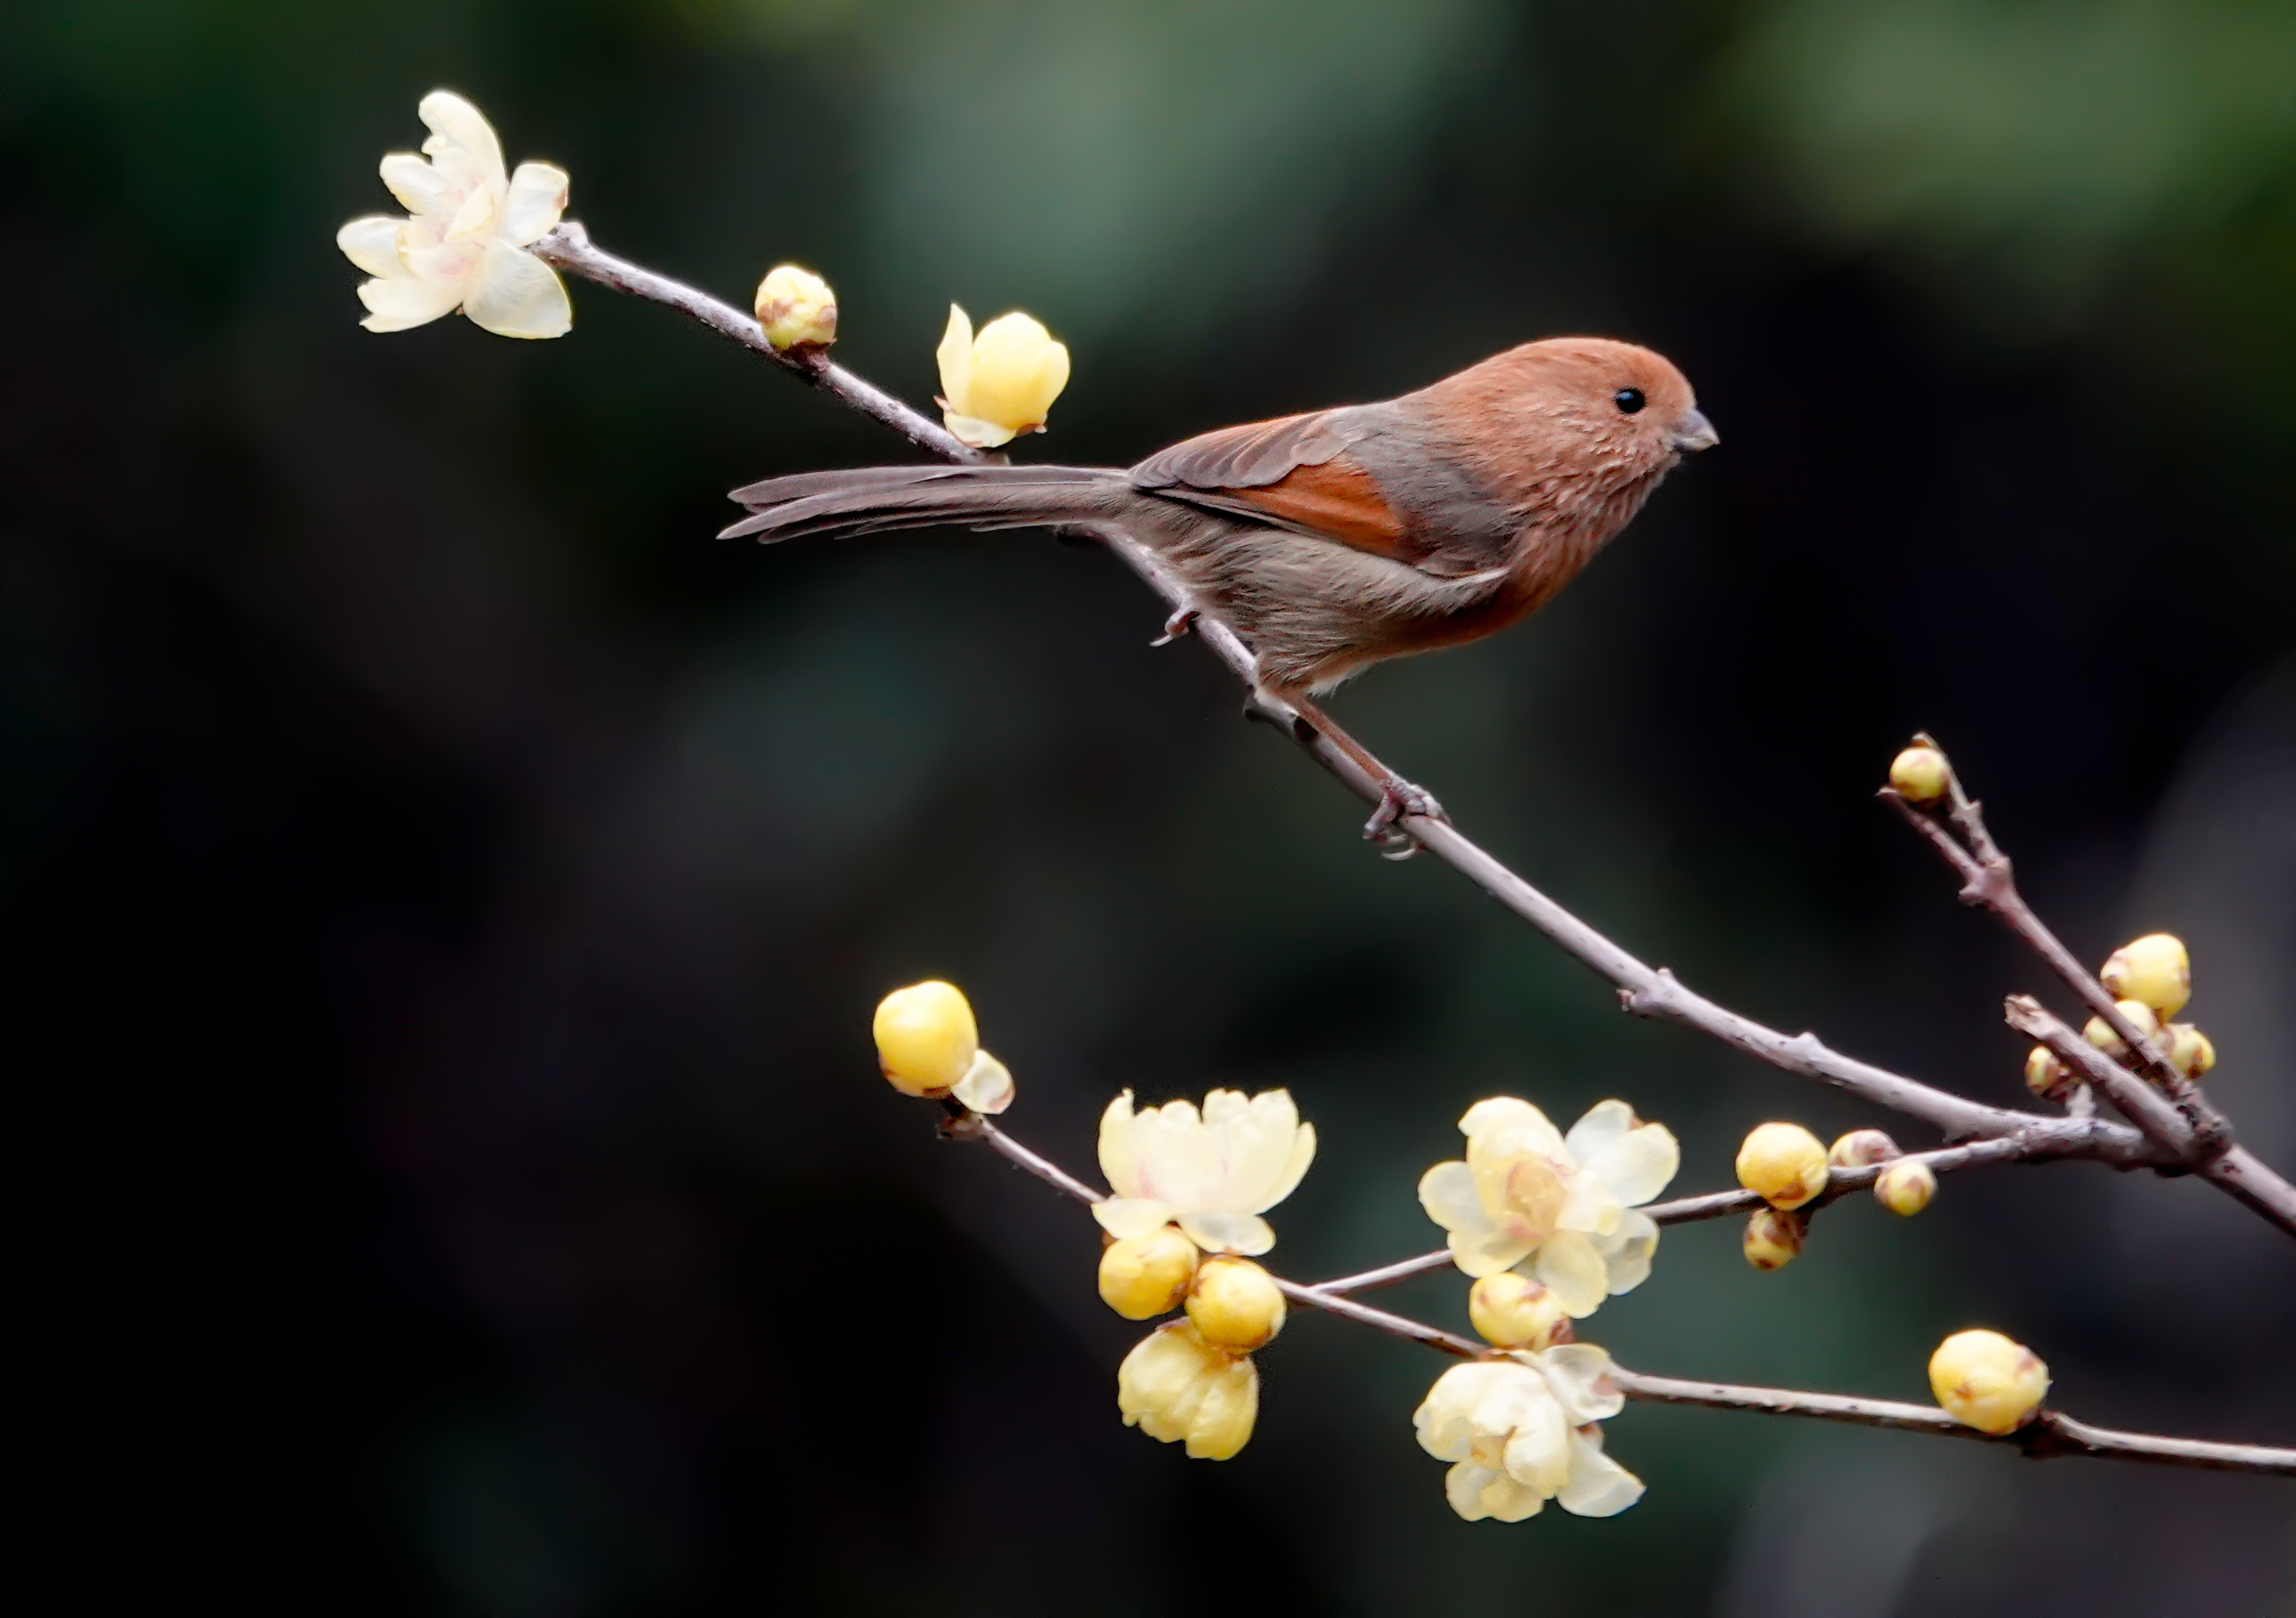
(1399, 797)
(1177, 625)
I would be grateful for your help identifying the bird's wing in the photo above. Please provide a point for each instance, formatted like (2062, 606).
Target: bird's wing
(1293, 473)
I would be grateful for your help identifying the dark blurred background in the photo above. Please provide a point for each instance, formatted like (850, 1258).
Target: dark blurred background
(450, 890)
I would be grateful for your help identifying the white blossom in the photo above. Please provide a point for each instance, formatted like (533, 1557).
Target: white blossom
(1213, 1175)
(463, 244)
(1519, 1430)
(1559, 1208)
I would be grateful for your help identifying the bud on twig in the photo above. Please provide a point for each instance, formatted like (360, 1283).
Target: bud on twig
(1987, 1381)
(1143, 1276)
(1861, 1147)
(1905, 1188)
(1515, 1312)
(796, 309)
(1919, 775)
(2153, 969)
(1783, 1164)
(2100, 1033)
(2048, 1077)
(2190, 1051)
(1235, 1304)
(1773, 1238)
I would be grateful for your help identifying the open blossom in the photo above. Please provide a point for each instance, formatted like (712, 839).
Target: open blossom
(1559, 1208)
(1002, 383)
(1212, 1174)
(463, 242)
(1176, 1386)
(1521, 1432)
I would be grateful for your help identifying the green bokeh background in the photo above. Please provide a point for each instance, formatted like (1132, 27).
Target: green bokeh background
(456, 888)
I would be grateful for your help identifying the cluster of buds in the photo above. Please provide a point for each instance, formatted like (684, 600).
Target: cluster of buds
(1190, 1189)
(1784, 1165)
(2150, 979)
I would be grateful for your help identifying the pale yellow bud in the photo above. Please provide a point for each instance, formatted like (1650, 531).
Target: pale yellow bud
(1002, 383)
(2048, 1077)
(1235, 1304)
(926, 1039)
(2191, 1052)
(1906, 1187)
(1987, 1381)
(2153, 969)
(1920, 773)
(1515, 1312)
(1783, 1164)
(1860, 1149)
(1176, 1386)
(2099, 1032)
(1142, 1277)
(796, 308)
(1773, 1238)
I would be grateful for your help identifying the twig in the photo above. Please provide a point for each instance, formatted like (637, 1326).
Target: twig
(2049, 1433)
(2239, 1172)
(1643, 990)
(1988, 881)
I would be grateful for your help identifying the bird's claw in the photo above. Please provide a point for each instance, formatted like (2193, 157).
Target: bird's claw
(1398, 798)
(1175, 626)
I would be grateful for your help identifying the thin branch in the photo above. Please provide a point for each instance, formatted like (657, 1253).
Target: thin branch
(2049, 1433)
(2239, 1172)
(1643, 990)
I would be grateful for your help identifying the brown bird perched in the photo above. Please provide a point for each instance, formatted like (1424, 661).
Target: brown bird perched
(1331, 539)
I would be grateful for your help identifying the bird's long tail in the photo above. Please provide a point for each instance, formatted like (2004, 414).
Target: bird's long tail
(877, 500)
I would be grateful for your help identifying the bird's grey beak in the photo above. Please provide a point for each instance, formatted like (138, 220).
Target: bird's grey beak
(1696, 432)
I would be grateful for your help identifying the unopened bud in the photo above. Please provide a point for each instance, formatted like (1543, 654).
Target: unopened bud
(926, 1038)
(1861, 1147)
(1515, 1312)
(2100, 1033)
(796, 308)
(1906, 1187)
(2153, 969)
(1235, 1304)
(1919, 775)
(2048, 1077)
(1987, 1381)
(1783, 1164)
(1142, 1277)
(1773, 1238)
(2190, 1051)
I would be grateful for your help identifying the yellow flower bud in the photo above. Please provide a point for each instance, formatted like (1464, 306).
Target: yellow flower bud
(2153, 969)
(1515, 1312)
(796, 308)
(1142, 1277)
(2048, 1077)
(2099, 1032)
(926, 1039)
(2190, 1051)
(1906, 1187)
(1986, 1381)
(1002, 383)
(1783, 1164)
(1235, 1304)
(1920, 773)
(1175, 1385)
(1773, 1238)
(1860, 1149)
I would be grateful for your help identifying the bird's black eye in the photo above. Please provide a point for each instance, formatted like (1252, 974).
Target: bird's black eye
(1628, 400)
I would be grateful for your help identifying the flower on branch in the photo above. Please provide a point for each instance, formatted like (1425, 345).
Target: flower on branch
(463, 242)
(1002, 383)
(1212, 1174)
(1559, 1209)
(1521, 1431)
(1175, 1387)
(928, 1045)
(1987, 1381)
(796, 309)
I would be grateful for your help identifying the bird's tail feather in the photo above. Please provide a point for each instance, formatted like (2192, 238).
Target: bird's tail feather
(879, 499)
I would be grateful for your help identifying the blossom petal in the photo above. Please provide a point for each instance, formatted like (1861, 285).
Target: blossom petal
(955, 358)
(1303, 1153)
(1244, 1233)
(372, 243)
(1538, 1451)
(1175, 1158)
(462, 142)
(974, 431)
(1442, 1420)
(1597, 1127)
(1637, 1166)
(986, 1086)
(515, 294)
(1512, 1116)
(1486, 1250)
(1126, 1217)
(399, 302)
(1448, 1192)
(1116, 1146)
(1256, 1146)
(1578, 1376)
(535, 200)
(419, 186)
(1627, 1251)
(1568, 1266)
(1222, 1421)
(1599, 1487)
(1589, 1207)
(1476, 1492)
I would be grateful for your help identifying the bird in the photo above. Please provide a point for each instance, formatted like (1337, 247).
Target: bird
(1336, 539)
